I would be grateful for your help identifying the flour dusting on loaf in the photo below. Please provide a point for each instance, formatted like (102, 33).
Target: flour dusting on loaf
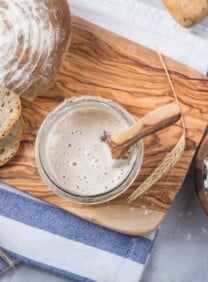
(34, 37)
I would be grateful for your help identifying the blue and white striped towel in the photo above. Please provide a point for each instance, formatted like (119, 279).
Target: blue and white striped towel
(37, 233)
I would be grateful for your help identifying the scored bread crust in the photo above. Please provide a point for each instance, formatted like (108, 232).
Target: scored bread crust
(34, 40)
(10, 110)
(187, 12)
(9, 145)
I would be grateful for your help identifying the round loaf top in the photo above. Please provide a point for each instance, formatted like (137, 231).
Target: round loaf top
(34, 38)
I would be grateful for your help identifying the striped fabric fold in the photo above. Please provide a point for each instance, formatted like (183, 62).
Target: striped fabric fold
(37, 233)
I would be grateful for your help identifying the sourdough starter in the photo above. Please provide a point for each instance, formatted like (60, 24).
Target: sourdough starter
(79, 161)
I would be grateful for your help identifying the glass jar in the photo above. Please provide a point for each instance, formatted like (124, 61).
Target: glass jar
(40, 149)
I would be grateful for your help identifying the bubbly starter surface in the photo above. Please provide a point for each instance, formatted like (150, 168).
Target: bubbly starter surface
(77, 157)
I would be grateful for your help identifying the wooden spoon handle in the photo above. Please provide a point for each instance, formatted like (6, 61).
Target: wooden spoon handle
(149, 124)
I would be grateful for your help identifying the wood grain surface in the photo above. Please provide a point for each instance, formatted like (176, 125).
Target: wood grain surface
(102, 63)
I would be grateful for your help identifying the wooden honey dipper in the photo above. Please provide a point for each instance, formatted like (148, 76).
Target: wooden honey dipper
(152, 122)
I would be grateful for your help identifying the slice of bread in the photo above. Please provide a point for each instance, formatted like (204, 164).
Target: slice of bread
(9, 145)
(10, 110)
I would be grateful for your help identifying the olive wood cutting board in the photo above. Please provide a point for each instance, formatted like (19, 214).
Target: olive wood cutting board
(102, 63)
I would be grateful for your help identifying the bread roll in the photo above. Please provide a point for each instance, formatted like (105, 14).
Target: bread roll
(34, 37)
(187, 12)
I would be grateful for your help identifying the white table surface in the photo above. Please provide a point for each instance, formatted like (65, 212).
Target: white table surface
(180, 251)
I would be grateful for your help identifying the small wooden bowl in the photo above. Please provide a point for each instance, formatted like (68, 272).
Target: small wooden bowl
(200, 172)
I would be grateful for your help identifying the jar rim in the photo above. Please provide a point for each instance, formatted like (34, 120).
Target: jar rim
(64, 108)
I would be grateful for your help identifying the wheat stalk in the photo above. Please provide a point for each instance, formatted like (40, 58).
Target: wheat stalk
(6, 259)
(167, 163)
(170, 159)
